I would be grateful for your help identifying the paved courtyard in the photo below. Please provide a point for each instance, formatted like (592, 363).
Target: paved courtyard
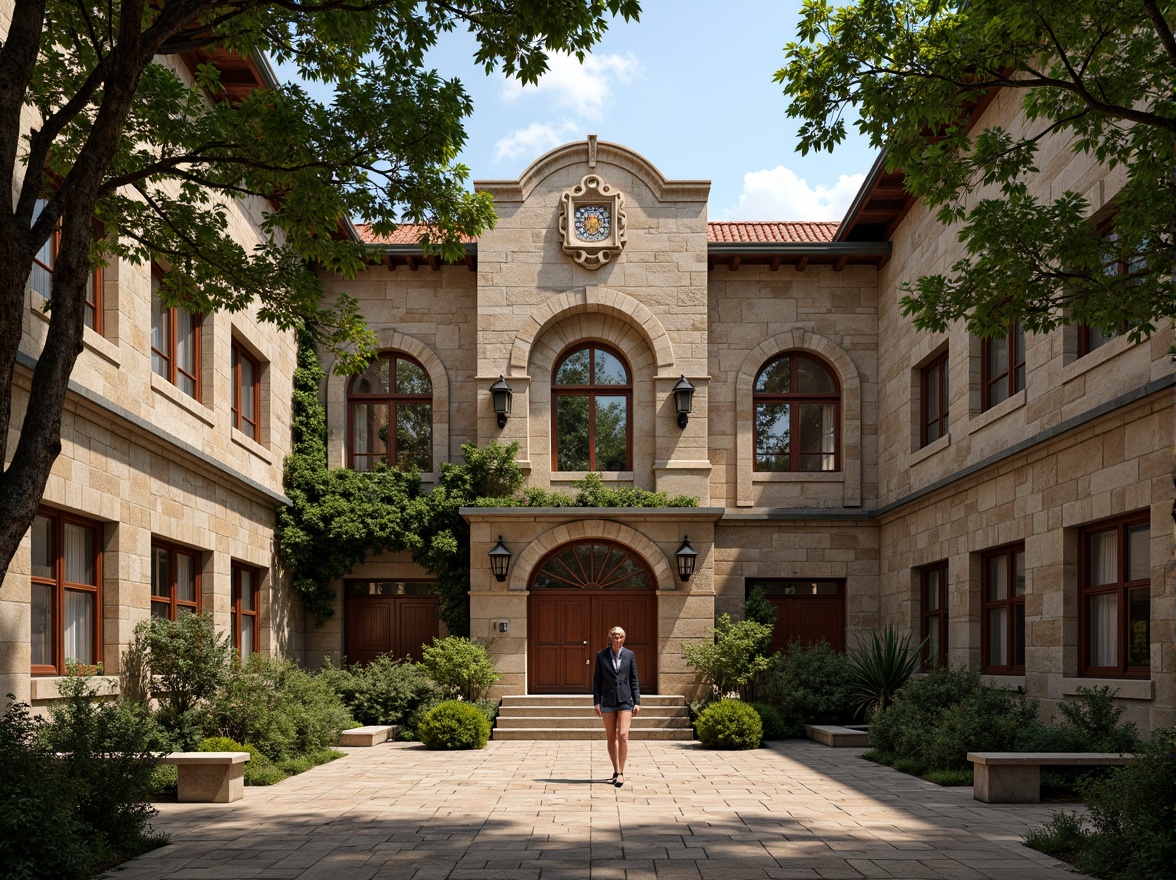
(544, 810)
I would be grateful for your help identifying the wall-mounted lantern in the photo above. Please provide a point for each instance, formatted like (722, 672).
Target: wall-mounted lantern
(500, 560)
(686, 557)
(683, 401)
(501, 393)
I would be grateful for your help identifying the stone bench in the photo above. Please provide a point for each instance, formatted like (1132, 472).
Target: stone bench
(209, 777)
(372, 735)
(836, 736)
(1015, 777)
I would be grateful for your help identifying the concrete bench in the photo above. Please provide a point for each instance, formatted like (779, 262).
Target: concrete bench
(209, 777)
(1015, 777)
(838, 737)
(372, 735)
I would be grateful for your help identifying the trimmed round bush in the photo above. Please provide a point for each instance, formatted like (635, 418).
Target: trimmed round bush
(730, 724)
(772, 721)
(454, 725)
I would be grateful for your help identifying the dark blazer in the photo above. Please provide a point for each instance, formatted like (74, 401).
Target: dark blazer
(611, 687)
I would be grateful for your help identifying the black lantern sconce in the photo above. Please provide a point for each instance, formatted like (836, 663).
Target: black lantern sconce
(500, 560)
(683, 402)
(686, 557)
(501, 393)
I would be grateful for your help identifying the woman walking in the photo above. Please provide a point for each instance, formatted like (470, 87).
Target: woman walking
(617, 696)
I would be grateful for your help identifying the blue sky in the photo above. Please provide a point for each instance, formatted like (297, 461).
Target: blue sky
(689, 87)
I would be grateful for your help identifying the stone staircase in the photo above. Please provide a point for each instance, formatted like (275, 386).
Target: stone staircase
(539, 717)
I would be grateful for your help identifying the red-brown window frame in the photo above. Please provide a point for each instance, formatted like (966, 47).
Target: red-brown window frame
(59, 520)
(237, 612)
(1011, 368)
(169, 357)
(391, 399)
(937, 618)
(250, 428)
(926, 422)
(1011, 602)
(94, 299)
(592, 391)
(1122, 588)
(795, 399)
(172, 603)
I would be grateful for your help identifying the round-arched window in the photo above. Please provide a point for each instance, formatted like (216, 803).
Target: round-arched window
(592, 565)
(797, 415)
(591, 399)
(390, 413)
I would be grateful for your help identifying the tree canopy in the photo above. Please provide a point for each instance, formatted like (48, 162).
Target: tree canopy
(107, 143)
(1095, 77)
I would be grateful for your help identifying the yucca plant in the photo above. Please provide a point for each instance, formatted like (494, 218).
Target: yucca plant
(880, 666)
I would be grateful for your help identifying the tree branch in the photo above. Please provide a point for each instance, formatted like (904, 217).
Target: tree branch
(1163, 30)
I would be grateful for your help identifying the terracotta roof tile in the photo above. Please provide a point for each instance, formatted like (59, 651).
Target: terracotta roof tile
(406, 233)
(771, 231)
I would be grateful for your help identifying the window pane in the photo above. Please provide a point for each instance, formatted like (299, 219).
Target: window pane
(818, 432)
(1019, 573)
(1139, 553)
(160, 610)
(185, 351)
(160, 573)
(932, 649)
(571, 430)
(411, 379)
(43, 547)
(775, 377)
(91, 302)
(42, 625)
(998, 578)
(931, 397)
(245, 642)
(1104, 614)
(611, 435)
(1096, 338)
(414, 436)
(773, 438)
(41, 276)
(79, 627)
(374, 378)
(998, 636)
(812, 378)
(248, 379)
(160, 333)
(185, 578)
(79, 555)
(1019, 634)
(245, 580)
(369, 431)
(1139, 627)
(574, 370)
(1104, 558)
(609, 370)
(998, 357)
(931, 600)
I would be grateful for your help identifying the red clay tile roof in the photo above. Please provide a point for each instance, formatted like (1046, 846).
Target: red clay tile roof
(727, 231)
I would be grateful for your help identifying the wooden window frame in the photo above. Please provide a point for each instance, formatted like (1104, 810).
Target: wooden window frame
(937, 618)
(170, 357)
(1121, 588)
(390, 400)
(236, 612)
(795, 399)
(93, 303)
(250, 428)
(1009, 375)
(1010, 602)
(172, 603)
(591, 391)
(60, 586)
(926, 422)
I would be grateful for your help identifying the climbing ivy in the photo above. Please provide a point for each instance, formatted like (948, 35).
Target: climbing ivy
(338, 517)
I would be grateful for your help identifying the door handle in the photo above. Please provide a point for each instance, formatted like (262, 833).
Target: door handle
(585, 641)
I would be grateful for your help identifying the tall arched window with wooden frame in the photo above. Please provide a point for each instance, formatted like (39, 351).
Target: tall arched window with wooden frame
(591, 405)
(390, 415)
(797, 401)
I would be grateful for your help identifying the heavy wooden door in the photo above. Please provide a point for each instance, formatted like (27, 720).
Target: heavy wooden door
(385, 618)
(560, 651)
(806, 611)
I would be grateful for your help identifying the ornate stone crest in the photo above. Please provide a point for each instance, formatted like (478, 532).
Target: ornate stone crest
(592, 222)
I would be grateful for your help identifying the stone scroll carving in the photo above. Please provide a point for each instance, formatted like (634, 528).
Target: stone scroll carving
(592, 222)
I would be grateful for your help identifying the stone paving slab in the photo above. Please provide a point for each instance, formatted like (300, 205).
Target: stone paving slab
(545, 811)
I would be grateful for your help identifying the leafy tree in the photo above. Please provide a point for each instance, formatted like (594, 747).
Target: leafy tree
(188, 661)
(125, 141)
(734, 658)
(1096, 77)
(461, 667)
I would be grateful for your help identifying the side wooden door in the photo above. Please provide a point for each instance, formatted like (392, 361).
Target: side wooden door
(559, 646)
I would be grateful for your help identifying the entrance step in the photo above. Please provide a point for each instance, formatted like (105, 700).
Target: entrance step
(561, 716)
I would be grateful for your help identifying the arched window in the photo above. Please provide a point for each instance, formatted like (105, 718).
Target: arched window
(591, 398)
(797, 415)
(595, 564)
(390, 410)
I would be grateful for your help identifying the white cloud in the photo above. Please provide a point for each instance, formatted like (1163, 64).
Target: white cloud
(778, 194)
(534, 140)
(583, 89)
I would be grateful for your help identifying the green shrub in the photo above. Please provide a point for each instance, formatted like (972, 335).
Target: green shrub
(165, 780)
(1062, 837)
(732, 660)
(188, 660)
(489, 708)
(730, 724)
(808, 685)
(906, 725)
(219, 744)
(949, 777)
(772, 721)
(302, 763)
(386, 691)
(986, 720)
(460, 667)
(759, 609)
(881, 666)
(454, 725)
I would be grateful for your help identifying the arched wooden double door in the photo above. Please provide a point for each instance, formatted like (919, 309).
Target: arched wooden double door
(578, 593)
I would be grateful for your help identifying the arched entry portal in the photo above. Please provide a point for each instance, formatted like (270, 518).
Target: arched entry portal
(578, 592)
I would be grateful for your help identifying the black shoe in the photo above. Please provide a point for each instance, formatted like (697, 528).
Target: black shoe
(614, 776)
(618, 780)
